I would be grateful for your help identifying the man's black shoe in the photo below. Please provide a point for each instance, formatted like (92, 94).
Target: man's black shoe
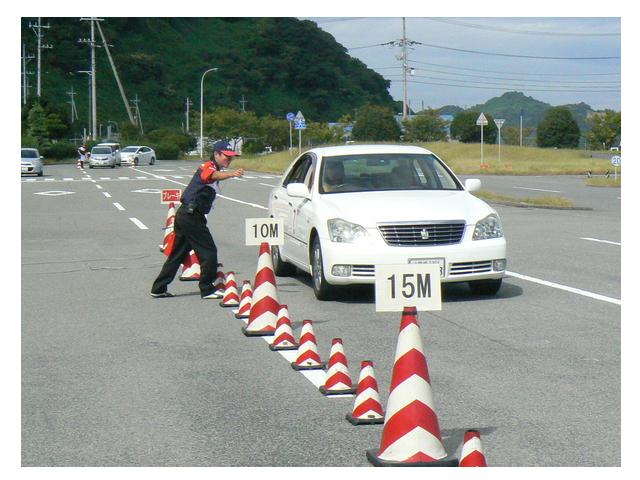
(161, 295)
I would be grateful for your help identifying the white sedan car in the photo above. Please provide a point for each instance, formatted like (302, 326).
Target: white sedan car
(138, 155)
(347, 209)
(31, 161)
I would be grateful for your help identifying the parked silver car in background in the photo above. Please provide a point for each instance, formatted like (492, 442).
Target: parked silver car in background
(116, 150)
(31, 161)
(138, 155)
(102, 157)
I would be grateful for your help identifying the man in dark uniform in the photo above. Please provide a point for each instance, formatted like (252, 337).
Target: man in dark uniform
(190, 224)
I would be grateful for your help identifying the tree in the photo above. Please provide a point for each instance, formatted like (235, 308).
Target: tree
(558, 129)
(427, 126)
(56, 127)
(464, 128)
(376, 124)
(605, 129)
(37, 121)
(511, 135)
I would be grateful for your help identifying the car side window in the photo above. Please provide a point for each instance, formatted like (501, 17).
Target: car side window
(299, 171)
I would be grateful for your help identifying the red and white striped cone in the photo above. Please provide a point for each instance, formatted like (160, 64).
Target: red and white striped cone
(411, 434)
(245, 300)
(308, 358)
(169, 234)
(367, 408)
(338, 380)
(283, 338)
(230, 298)
(219, 282)
(190, 268)
(472, 454)
(265, 306)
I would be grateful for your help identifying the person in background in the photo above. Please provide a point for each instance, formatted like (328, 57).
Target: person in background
(82, 156)
(190, 224)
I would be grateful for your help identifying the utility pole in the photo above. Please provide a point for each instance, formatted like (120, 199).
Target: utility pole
(25, 80)
(37, 29)
(138, 118)
(115, 74)
(404, 57)
(521, 115)
(243, 102)
(188, 103)
(74, 112)
(90, 98)
(92, 44)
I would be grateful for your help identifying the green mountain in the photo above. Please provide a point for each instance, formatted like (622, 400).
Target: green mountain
(275, 65)
(510, 104)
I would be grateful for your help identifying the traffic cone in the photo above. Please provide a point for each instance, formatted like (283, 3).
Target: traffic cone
(283, 337)
(231, 298)
(338, 380)
(472, 454)
(219, 282)
(245, 300)
(190, 268)
(411, 434)
(169, 234)
(264, 308)
(308, 358)
(367, 408)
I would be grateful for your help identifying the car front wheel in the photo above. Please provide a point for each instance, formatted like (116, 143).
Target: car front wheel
(485, 287)
(321, 288)
(152, 161)
(280, 267)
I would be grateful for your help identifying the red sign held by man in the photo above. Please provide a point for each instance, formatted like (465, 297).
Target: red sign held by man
(171, 196)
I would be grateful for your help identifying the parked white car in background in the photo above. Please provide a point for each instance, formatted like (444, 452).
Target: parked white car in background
(347, 209)
(116, 150)
(138, 155)
(31, 161)
(102, 156)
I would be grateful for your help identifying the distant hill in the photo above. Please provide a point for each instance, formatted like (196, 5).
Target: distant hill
(277, 65)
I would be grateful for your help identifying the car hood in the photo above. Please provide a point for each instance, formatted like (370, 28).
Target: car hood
(369, 208)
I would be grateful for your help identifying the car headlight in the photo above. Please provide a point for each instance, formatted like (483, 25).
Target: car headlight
(346, 232)
(488, 227)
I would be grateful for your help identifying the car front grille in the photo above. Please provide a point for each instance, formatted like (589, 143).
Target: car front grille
(466, 268)
(363, 270)
(422, 234)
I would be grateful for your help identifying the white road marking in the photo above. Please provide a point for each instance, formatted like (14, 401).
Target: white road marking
(49, 179)
(538, 189)
(268, 185)
(99, 187)
(566, 288)
(67, 179)
(105, 178)
(600, 241)
(124, 178)
(118, 206)
(139, 224)
(106, 194)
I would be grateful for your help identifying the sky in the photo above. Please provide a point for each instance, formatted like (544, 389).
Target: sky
(501, 54)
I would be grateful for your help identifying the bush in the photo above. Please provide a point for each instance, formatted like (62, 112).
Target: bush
(166, 151)
(59, 151)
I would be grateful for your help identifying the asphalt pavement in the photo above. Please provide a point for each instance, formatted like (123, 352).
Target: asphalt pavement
(113, 377)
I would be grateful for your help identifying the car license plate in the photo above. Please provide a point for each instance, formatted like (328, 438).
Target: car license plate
(430, 261)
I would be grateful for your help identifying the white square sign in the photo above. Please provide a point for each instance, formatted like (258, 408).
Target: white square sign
(264, 230)
(399, 286)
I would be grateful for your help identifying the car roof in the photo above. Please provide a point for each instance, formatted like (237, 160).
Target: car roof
(108, 143)
(364, 149)
(134, 146)
(28, 148)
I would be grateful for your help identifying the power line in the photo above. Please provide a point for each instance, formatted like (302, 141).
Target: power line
(523, 32)
(521, 79)
(507, 88)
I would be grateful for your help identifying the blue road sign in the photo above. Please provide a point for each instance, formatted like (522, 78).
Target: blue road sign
(290, 116)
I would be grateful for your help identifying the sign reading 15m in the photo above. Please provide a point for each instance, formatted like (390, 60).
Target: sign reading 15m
(264, 230)
(399, 286)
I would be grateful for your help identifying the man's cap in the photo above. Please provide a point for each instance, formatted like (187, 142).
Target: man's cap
(224, 147)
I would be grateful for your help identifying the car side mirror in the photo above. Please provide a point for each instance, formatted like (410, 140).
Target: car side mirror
(41, 157)
(472, 185)
(298, 190)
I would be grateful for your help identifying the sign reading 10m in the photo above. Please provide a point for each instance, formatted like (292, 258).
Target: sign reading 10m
(411, 285)
(264, 230)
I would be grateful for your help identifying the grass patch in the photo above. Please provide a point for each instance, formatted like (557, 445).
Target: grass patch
(604, 182)
(542, 201)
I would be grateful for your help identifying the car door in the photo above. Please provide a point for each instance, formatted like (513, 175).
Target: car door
(303, 217)
(146, 153)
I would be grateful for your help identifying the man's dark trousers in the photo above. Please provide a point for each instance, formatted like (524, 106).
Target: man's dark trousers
(191, 233)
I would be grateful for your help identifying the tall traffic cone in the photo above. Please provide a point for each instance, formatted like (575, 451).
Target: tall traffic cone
(245, 300)
(307, 358)
(411, 434)
(230, 298)
(219, 282)
(283, 337)
(472, 454)
(264, 308)
(367, 408)
(190, 268)
(338, 380)
(169, 234)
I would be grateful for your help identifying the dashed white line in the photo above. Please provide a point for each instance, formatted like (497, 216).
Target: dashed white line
(99, 187)
(267, 185)
(118, 206)
(538, 189)
(106, 194)
(138, 223)
(600, 241)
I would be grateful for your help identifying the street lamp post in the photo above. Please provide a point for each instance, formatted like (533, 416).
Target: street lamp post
(202, 106)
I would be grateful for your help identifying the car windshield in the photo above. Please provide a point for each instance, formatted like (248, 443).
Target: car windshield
(396, 171)
(28, 153)
(129, 150)
(101, 150)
